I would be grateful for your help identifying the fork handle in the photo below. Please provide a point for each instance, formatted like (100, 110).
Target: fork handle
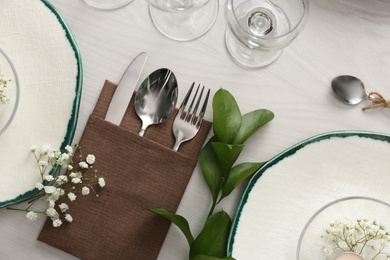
(176, 145)
(141, 132)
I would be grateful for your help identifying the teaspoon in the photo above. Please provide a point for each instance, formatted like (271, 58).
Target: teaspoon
(349, 89)
(156, 98)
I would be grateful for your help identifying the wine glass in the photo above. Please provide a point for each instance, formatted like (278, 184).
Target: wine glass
(258, 30)
(183, 20)
(107, 4)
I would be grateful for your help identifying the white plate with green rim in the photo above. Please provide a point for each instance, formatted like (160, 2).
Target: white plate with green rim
(46, 58)
(285, 193)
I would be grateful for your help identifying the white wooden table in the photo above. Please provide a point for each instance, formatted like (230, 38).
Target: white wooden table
(341, 37)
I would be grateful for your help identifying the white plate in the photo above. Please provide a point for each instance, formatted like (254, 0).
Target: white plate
(48, 64)
(283, 195)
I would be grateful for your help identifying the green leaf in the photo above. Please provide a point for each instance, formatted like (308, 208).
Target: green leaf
(226, 116)
(251, 122)
(212, 240)
(237, 175)
(211, 168)
(227, 155)
(204, 257)
(178, 220)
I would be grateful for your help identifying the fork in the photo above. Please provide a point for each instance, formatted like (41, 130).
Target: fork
(187, 123)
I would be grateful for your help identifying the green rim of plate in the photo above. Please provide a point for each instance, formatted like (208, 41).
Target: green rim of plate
(290, 151)
(71, 129)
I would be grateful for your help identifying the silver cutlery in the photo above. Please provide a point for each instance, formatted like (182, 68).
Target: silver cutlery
(156, 98)
(349, 89)
(186, 124)
(125, 89)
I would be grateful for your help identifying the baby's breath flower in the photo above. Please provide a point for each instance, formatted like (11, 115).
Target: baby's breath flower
(63, 157)
(45, 149)
(85, 190)
(57, 222)
(51, 203)
(90, 159)
(356, 235)
(76, 180)
(69, 149)
(62, 179)
(71, 196)
(51, 212)
(50, 189)
(5, 99)
(31, 216)
(3, 96)
(43, 163)
(76, 175)
(55, 195)
(328, 250)
(49, 178)
(63, 207)
(68, 218)
(48, 159)
(39, 186)
(83, 165)
(101, 182)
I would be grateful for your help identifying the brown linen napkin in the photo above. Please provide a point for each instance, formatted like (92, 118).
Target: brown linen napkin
(139, 172)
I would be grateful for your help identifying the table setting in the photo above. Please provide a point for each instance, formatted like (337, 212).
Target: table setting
(221, 129)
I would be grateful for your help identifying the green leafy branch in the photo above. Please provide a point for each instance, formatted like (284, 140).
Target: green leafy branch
(231, 130)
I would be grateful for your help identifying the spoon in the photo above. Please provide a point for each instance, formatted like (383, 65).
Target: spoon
(349, 89)
(156, 98)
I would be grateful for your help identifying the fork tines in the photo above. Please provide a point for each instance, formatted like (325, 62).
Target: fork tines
(185, 114)
(187, 122)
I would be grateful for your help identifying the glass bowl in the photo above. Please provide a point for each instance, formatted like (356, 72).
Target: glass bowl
(351, 218)
(183, 20)
(11, 91)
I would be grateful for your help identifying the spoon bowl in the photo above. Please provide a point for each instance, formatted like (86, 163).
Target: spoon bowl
(156, 98)
(349, 89)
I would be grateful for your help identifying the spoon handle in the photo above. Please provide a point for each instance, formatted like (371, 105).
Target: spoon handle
(146, 122)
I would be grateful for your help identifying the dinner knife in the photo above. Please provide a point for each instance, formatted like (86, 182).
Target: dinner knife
(125, 89)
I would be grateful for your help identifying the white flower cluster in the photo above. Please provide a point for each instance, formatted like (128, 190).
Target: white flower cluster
(4, 99)
(53, 187)
(360, 235)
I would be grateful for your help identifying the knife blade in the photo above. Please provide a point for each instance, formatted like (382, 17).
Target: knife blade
(125, 89)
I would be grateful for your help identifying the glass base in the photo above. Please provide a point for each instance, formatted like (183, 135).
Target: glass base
(107, 4)
(185, 25)
(248, 57)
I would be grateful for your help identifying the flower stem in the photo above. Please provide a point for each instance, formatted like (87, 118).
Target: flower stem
(363, 247)
(17, 209)
(212, 209)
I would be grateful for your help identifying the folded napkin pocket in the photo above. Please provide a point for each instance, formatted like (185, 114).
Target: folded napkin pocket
(139, 172)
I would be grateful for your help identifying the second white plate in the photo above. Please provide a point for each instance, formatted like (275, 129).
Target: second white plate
(283, 195)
